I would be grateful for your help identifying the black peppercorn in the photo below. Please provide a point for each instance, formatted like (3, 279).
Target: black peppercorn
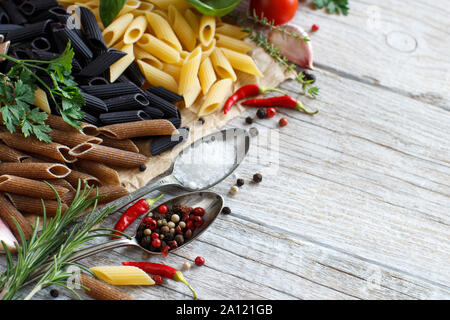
(261, 113)
(201, 120)
(309, 77)
(240, 182)
(54, 293)
(146, 241)
(226, 210)
(257, 178)
(249, 120)
(142, 167)
(179, 239)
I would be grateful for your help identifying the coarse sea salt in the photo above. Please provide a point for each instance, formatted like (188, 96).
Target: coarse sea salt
(205, 163)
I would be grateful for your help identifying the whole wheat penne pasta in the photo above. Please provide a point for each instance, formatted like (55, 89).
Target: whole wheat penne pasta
(72, 138)
(9, 213)
(53, 150)
(85, 178)
(61, 183)
(109, 193)
(8, 154)
(109, 156)
(99, 170)
(29, 187)
(99, 290)
(34, 205)
(158, 127)
(125, 144)
(57, 122)
(35, 170)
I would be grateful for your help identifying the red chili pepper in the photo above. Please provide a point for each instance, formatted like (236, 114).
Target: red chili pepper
(249, 90)
(132, 213)
(281, 102)
(162, 270)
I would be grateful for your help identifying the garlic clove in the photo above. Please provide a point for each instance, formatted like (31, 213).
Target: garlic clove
(295, 49)
(7, 237)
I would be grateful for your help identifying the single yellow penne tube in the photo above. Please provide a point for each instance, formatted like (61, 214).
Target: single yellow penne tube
(206, 51)
(158, 48)
(122, 275)
(206, 75)
(192, 19)
(231, 30)
(99, 290)
(182, 29)
(232, 43)
(143, 8)
(192, 94)
(162, 13)
(129, 6)
(146, 57)
(41, 101)
(242, 62)
(189, 71)
(116, 29)
(173, 70)
(206, 29)
(216, 97)
(164, 4)
(135, 30)
(122, 64)
(221, 65)
(157, 77)
(163, 30)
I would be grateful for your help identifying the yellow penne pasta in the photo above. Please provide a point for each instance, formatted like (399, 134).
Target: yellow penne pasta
(192, 19)
(143, 8)
(135, 30)
(157, 77)
(116, 29)
(242, 62)
(162, 13)
(173, 70)
(206, 75)
(143, 55)
(206, 51)
(164, 4)
(41, 101)
(216, 97)
(158, 48)
(231, 30)
(189, 71)
(192, 94)
(88, 4)
(221, 65)
(206, 29)
(122, 275)
(121, 65)
(129, 6)
(163, 30)
(232, 43)
(182, 29)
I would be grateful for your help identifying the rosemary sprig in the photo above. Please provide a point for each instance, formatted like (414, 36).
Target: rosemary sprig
(54, 242)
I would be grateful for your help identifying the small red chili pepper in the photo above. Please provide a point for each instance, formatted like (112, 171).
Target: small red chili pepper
(249, 90)
(282, 102)
(132, 213)
(162, 270)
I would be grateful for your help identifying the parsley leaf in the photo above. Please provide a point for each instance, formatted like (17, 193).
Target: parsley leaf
(333, 6)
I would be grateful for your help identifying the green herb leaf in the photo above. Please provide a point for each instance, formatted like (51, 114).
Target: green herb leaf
(333, 6)
(217, 8)
(109, 9)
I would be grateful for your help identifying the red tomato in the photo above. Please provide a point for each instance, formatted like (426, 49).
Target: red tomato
(278, 11)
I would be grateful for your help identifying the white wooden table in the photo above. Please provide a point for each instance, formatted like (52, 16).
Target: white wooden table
(359, 207)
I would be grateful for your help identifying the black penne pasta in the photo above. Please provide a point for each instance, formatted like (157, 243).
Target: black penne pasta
(175, 121)
(93, 104)
(91, 30)
(15, 16)
(123, 117)
(4, 18)
(154, 113)
(163, 143)
(97, 81)
(122, 78)
(30, 8)
(111, 90)
(166, 94)
(22, 52)
(62, 35)
(41, 44)
(170, 110)
(43, 55)
(127, 102)
(29, 31)
(89, 118)
(133, 72)
(5, 28)
(59, 14)
(102, 63)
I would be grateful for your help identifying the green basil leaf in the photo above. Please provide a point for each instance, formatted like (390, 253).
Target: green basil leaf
(217, 8)
(109, 9)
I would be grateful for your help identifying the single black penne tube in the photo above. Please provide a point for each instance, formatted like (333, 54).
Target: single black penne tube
(89, 118)
(62, 35)
(59, 14)
(154, 113)
(165, 94)
(29, 8)
(5, 28)
(175, 121)
(15, 16)
(29, 32)
(91, 30)
(163, 143)
(96, 81)
(102, 63)
(41, 44)
(133, 72)
(170, 110)
(93, 104)
(128, 102)
(111, 90)
(4, 18)
(21, 52)
(123, 117)
(43, 15)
